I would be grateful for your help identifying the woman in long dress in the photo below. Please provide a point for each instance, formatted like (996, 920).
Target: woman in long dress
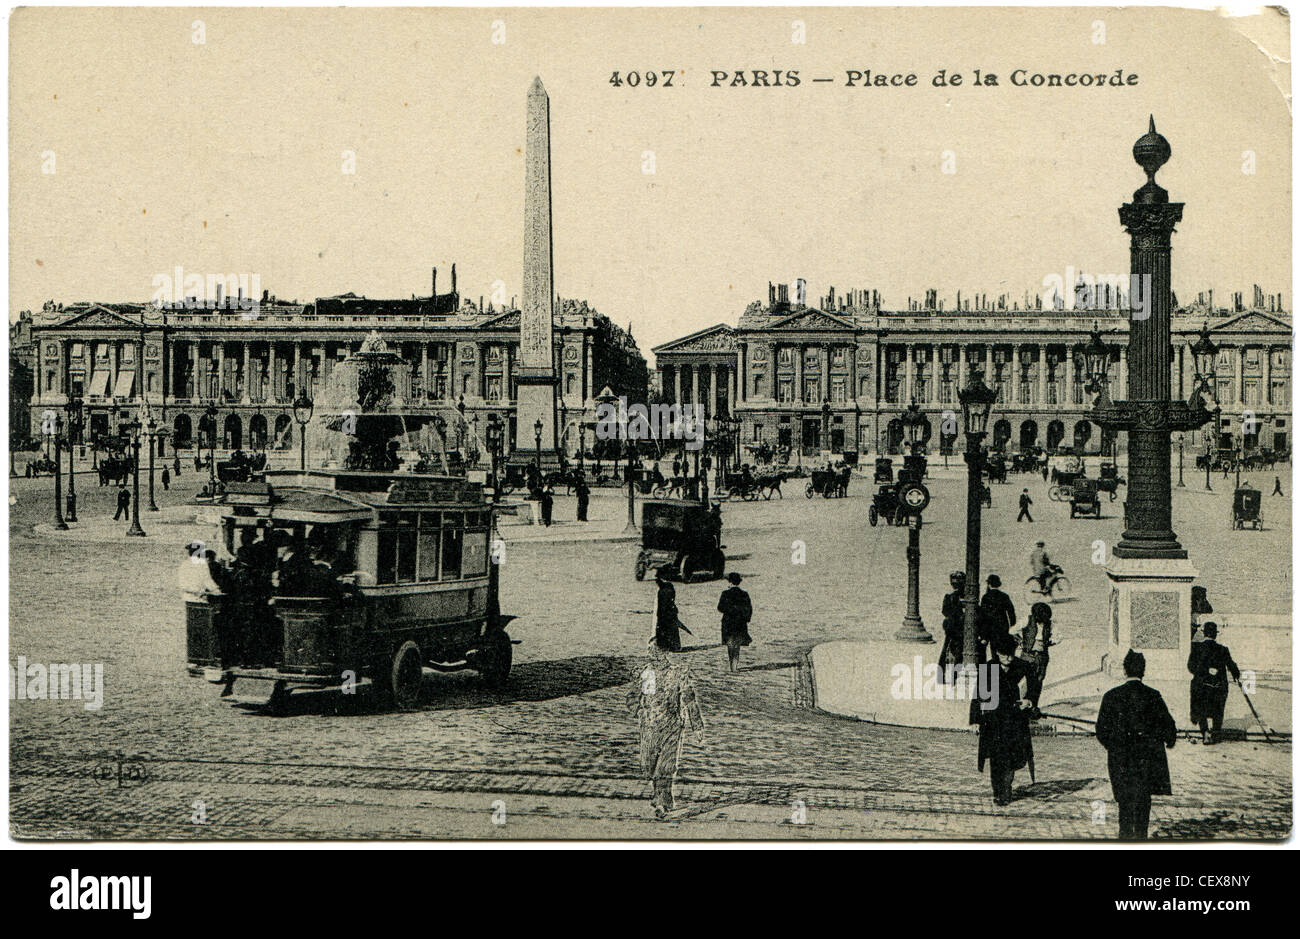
(667, 707)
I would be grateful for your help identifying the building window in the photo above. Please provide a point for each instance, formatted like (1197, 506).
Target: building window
(787, 356)
(837, 355)
(758, 433)
(494, 388)
(811, 387)
(1280, 393)
(839, 390)
(1252, 392)
(77, 350)
(786, 390)
(758, 386)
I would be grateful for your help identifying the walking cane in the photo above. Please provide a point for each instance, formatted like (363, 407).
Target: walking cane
(1251, 704)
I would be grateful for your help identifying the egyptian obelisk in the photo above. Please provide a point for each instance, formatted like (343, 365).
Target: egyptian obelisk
(536, 380)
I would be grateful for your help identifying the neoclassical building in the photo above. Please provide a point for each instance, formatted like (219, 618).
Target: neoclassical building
(252, 364)
(837, 376)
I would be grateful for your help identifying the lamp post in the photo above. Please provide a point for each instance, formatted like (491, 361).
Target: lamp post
(74, 437)
(914, 498)
(537, 442)
(826, 424)
(55, 428)
(152, 427)
(630, 527)
(133, 429)
(211, 414)
(1204, 356)
(976, 403)
(494, 435)
(582, 446)
(302, 409)
(1180, 461)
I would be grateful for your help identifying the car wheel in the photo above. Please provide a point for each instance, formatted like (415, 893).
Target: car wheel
(686, 570)
(873, 516)
(406, 676)
(808, 490)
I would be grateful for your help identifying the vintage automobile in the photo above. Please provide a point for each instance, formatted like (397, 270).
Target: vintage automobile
(885, 504)
(884, 470)
(414, 585)
(682, 536)
(1245, 509)
(1110, 480)
(1083, 498)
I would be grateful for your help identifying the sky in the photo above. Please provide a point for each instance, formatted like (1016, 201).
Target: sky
(228, 155)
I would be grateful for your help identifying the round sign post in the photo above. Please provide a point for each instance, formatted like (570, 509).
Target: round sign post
(913, 497)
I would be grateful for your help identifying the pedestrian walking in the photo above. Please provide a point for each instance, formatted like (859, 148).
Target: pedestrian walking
(176, 467)
(123, 502)
(997, 613)
(1025, 503)
(667, 707)
(584, 497)
(1004, 738)
(953, 620)
(1210, 664)
(1277, 486)
(1035, 641)
(667, 623)
(1135, 727)
(736, 610)
(166, 479)
(1046, 469)
(548, 504)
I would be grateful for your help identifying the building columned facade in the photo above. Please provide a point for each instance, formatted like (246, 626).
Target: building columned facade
(251, 364)
(838, 376)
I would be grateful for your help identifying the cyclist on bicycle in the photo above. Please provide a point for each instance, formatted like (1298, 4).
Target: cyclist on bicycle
(1041, 566)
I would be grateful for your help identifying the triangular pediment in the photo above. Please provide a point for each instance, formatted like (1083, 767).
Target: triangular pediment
(1252, 321)
(97, 317)
(718, 338)
(813, 319)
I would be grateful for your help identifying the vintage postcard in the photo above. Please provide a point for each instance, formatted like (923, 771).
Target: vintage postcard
(650, 424)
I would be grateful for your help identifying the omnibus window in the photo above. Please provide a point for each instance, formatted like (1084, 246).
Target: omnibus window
(453, 543)
(406, 541)
(386, 562)
(475, 554)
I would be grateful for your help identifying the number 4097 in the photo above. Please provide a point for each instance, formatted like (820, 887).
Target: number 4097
(649, 79)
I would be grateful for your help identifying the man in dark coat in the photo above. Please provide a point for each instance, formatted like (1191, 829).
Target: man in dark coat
(584, 497)
(1005, 741)
(1210, 664)
(736, 610)
(1025, 503)
(166, 479)
(123, 503)
(997, 612)
(548, 504)
(666, 622)
(176, 467)
(1135, 727)
(954, 617)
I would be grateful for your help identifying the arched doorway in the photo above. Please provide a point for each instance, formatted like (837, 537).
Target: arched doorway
(257, 432)
(283, 432)
(894, 436)
(1001, 434)
(1028, 434)
(1082, 434)
(182, 431)
(232, 437)
(207, 431)
(1055, 434)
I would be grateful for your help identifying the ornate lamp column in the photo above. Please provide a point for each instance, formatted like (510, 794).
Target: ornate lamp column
(1151, 578)
(976, 403)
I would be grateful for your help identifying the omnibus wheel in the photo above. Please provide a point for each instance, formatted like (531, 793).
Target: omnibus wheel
(686, 570)
(873, 516)
(808, 490)
(406, 676)
(495, 658)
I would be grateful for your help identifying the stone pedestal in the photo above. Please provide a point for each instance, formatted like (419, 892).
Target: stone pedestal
(1150, 612)
(535, 401)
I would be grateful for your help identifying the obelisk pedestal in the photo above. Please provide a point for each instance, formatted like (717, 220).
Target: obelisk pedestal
(536, 379)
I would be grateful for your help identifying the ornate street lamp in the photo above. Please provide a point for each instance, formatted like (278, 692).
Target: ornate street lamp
(54, 428)
(913, 498)
(152, 426)
(74, 437)
(133, 430)
(537, 440)
(826, 424)
(630, 527)
(976, 404)
(211, 414)
(1205, 357)
(302, 409)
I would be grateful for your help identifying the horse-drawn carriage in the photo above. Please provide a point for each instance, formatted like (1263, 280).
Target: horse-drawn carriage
(740, 485)
(1245, 509)
(40, 466)
(1064, 481)
(995, 468)
(830, 483)
(1110, 480)
(1083, 498)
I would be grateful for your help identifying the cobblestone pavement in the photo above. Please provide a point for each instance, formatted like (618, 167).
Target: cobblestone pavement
(557, 750)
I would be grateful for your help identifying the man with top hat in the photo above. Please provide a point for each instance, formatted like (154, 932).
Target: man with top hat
(736, 610)
(1210, 664)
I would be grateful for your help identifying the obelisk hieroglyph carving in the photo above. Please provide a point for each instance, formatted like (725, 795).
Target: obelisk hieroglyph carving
(536, 379)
